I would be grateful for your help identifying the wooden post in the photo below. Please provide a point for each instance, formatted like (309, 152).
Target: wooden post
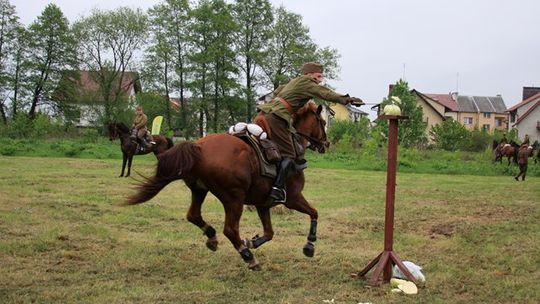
(386, 259)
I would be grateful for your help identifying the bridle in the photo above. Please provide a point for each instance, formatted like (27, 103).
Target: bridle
(316, 144)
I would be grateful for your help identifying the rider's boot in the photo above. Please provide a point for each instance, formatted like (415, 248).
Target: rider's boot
(133, 135)
(145, 143)
(150, 139)
(278, 193)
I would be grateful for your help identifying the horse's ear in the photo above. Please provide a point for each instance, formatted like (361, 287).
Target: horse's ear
(319, 109)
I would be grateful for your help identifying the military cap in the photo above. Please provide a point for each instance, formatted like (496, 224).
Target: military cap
(312, 67)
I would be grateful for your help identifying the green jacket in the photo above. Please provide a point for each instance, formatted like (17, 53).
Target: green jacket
(140, 121)
(297, 93)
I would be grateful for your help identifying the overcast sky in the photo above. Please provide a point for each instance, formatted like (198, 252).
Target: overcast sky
(475, 47)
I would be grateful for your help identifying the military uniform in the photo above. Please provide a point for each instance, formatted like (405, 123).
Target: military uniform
(289, 99)
(140, 124)
(526, 140)
(523, 159)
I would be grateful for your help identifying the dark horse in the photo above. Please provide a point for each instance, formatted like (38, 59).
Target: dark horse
(509, 150)
(228, 167)
(131, 148)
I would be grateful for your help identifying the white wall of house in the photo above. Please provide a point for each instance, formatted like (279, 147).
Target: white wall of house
(529, 124)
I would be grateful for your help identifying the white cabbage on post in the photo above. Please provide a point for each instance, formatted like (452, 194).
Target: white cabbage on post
(393, 108)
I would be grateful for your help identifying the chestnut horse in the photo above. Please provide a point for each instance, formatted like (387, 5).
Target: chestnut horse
(509, 150)
(228, 167)
(130, 148)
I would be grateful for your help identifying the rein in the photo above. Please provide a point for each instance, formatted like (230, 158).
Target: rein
(314, 143)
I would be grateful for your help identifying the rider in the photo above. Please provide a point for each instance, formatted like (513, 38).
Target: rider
(139, 128)
(289, 99)
(504, 140)
(523, 159)
(526, 140)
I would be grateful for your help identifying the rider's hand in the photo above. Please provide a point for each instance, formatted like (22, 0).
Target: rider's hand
(355, 101)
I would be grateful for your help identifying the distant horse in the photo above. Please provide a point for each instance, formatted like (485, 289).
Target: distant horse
(509, 150)
(130, 148)
(229, 168)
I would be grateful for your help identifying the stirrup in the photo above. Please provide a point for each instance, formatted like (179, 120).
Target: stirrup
(278, 195)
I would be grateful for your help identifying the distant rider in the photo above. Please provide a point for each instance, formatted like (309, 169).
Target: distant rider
(139, 130)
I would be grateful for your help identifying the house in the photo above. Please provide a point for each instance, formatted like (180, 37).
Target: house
(525, 116)
(433, 112)
(482, 112)
(81, 90)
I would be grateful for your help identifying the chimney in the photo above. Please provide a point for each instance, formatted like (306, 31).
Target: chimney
(390, 88)
(529, 91)
(454, 95)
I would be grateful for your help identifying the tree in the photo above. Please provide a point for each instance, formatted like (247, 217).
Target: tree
(290, 46)
(449, 135)
(212, 62)
(9, 26)
(165, 58)
(254, 18)
(53, 51)
(108, 41)
(412, 130)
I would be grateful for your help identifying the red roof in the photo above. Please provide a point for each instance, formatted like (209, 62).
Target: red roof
(87, 82)
(445, 100)
(524, 102)
(528, 111)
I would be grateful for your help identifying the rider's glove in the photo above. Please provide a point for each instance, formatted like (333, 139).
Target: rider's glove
(354, 101)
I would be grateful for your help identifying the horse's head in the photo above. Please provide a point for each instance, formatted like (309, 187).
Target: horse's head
(114, 131)
(311, 127)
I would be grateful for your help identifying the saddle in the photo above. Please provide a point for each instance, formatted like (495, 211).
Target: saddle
(265, 149)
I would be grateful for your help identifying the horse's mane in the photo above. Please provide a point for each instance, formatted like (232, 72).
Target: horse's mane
(309, 106)
(122, 126)
(513, 143)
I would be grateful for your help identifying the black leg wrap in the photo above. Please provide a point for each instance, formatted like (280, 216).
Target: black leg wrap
(210, 232)
(312, 237)
(246, 254)
(258, 241)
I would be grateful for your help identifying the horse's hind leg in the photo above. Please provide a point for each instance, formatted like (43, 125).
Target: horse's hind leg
(256, 241)
(300, 204)
(233, 212)
(194, 216)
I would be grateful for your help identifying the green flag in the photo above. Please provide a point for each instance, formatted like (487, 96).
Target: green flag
(156, 125)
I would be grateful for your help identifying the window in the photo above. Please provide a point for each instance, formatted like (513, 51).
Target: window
(487, 115)
(467, 120)
(498, 122)
(485, 127)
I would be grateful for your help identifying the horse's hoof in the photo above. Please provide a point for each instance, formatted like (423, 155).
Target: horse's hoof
(212, 244)
(309, 249)
(254, 265)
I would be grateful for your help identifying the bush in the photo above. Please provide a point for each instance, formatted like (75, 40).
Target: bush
(348, 135)
(450, 135)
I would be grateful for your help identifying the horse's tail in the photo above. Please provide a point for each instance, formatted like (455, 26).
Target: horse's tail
(173, 164)
(169, 142)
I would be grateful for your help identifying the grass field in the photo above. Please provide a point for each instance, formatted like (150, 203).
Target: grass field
(64, 239)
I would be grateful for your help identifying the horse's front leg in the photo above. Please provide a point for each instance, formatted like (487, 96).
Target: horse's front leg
(256, 241)
(300, 204)
(124, 160)
(233, 212)
(130, 160)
